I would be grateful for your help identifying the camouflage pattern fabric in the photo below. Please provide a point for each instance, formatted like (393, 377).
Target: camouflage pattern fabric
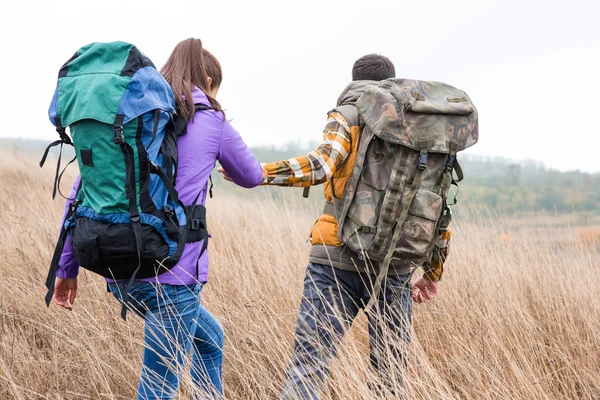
(406, 111)
(392, 206)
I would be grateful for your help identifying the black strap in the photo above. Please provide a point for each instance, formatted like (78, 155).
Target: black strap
(203, 231)
(168, 166)
(201, 107)
(51, 145)
(59, 178)
(58, 175)
(180, 124)
(204, 247)
(130, 189)
(194, 204)
(306, 192)
(62, 239)
(155, 169)
(62, 132)
(210, 188)
(137, 233)
(119, 136)
(64, 139)
(155, 128)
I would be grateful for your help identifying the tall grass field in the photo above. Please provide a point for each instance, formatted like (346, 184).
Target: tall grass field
(517, 315)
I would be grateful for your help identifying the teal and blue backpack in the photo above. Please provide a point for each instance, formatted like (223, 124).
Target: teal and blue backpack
(126, 221)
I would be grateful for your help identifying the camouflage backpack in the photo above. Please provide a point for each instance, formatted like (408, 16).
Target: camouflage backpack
(396, 200)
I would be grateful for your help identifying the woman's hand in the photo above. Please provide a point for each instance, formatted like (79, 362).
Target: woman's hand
(228, 178)
(225, 176)
(65, 291)
(424, 289)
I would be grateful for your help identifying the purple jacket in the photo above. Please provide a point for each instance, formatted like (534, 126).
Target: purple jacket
(209, 138)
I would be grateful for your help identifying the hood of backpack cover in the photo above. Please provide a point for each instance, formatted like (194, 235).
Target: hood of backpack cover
(354, 90)
(406, 112)
(102, 80)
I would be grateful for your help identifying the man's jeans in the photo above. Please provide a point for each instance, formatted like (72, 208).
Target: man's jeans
(174, 319)
(331, 300)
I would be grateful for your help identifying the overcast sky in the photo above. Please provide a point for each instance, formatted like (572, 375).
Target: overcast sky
(530, 66)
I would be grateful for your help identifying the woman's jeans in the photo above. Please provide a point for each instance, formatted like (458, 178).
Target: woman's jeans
(174, 320)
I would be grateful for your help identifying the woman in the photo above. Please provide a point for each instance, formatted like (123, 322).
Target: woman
(175, 321)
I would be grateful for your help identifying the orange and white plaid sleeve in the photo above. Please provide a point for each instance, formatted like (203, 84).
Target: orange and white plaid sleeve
(319, 165)
(435, 268)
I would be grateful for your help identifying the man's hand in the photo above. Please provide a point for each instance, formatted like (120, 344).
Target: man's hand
(65, 291)
(424, 289)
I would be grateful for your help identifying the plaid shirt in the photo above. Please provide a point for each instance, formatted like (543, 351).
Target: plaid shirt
(435, 268)
(319, 165)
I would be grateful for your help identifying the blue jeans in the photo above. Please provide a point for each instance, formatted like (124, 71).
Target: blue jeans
(331, 300)
(174, 320)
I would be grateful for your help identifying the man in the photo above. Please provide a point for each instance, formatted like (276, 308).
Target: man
(339, 282)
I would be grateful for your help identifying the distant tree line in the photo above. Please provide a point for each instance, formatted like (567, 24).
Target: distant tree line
(500, 184)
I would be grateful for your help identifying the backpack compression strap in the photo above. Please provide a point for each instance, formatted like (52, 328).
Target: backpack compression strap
(62, 239)
(64, 139)
(425, 145)
(130, 189)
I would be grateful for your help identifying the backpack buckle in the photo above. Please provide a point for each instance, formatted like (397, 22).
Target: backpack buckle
(194, 224)
(63, 136)
(425, 145)
(422, 161)
(73, 206)
(134, 216)
(119, 137)
(450, 163)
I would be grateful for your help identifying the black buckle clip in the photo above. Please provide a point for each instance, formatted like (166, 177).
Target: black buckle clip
(194, 224)
(450, 163)
(119, 137)
(73, 206)
(135, 217)
(63, 136)
(422, 161)
(169, 210)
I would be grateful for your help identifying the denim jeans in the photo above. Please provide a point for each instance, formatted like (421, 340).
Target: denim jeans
(331, 300)
(175, 323)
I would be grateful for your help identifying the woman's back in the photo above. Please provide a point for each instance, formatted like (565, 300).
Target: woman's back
(175, 320)
(209, 138)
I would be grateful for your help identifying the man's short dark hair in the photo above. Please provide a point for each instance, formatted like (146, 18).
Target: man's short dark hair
(373, 67)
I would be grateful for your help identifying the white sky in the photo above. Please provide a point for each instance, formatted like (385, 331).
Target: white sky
(531, 67)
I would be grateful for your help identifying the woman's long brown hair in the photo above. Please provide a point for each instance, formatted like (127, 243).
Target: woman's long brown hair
(190, 65)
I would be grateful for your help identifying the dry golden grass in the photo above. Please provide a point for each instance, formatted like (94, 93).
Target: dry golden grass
(515, 319)
(589, 238)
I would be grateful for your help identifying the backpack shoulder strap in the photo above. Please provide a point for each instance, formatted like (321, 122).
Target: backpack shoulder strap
(349, 112)
(180, 124)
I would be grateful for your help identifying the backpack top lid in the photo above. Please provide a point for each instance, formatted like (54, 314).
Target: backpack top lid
(102, 80)
(407, 112)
